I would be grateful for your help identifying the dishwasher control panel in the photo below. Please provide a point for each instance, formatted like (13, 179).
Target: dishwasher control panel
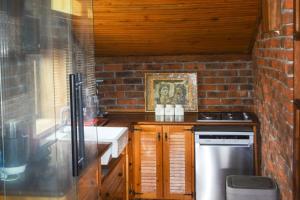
(225, 138)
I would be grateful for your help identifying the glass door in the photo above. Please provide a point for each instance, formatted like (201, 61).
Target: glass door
(86, 100)
(36, 54)
(61, 27)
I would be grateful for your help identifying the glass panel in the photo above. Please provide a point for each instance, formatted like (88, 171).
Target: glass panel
(62, 67)
(84, 63)
(36, 58)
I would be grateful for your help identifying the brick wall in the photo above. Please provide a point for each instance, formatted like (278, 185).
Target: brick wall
(222, 85)
(16, 75)
(273, 72)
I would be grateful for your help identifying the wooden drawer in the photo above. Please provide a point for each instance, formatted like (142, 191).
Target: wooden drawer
(114, 184)
(88, 183)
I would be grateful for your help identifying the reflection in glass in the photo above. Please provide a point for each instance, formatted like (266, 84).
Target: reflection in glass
(41, 43)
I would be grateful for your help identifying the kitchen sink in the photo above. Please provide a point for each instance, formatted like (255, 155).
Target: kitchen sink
(118, 136)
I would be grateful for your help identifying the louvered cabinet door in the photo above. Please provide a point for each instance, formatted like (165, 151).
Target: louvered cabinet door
(147, 159)
(178, 157)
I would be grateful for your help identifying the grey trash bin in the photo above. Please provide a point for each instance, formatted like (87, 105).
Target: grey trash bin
(250, 188)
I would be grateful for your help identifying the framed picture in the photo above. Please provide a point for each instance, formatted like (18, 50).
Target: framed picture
(171, 88)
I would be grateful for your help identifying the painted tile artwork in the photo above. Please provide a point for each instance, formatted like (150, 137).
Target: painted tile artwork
(171, 88)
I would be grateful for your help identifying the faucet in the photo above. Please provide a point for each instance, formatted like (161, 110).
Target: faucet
(100, 113)
(64, 116)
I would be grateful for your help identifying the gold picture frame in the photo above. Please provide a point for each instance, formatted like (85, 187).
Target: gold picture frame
(171, 88)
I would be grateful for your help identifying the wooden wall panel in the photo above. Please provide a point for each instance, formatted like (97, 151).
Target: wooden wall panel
(271, 13)
(174, 27)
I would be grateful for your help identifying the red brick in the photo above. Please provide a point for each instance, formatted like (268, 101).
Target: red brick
(134, 94)
(245, 72)
(107, 101)
(236, 65)
(215, 66)
(125, 87)
(107, 88)
(113, 95)
(207, 73)
(172, 66)
(125, 74)
(207, 87)
(153, 67)
(201, 66)
(126, 101)
(236, 80)
(133, 81)
(113, 67)
(287, 43)
(216, 94)
(99, 68)
(274, 43)
(287, 18)
(104, 75)
(201, 94)
(288, 30)
(133, 67)
(190, 66)
(288, 4)
(210, 101)
(238, 94)
(234, 101)
(214, 80)
(228, 73)
(289, 55)
(140, 101)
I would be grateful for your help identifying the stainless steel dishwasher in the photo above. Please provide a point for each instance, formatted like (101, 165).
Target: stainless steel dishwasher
(221, 151)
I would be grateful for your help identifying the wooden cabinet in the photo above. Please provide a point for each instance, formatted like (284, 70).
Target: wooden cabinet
(147, 162)
(178, 162)
(163, 162)
(88, 183)
(113, 186)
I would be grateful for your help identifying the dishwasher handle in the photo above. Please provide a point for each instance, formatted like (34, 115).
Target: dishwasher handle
(224, 137)
(227, 145)
(225, 140)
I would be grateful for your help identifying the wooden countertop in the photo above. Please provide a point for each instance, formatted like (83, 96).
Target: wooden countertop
(50, 177)
(142, 118)
(102, 148)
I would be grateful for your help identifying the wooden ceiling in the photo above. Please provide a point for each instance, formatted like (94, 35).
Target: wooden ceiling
(174, 27)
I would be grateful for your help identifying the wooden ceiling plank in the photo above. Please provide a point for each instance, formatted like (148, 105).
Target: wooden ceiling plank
(131, 27)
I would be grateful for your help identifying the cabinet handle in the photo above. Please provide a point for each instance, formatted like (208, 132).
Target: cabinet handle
(189, 194)
(166, 136)
(158, 136)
